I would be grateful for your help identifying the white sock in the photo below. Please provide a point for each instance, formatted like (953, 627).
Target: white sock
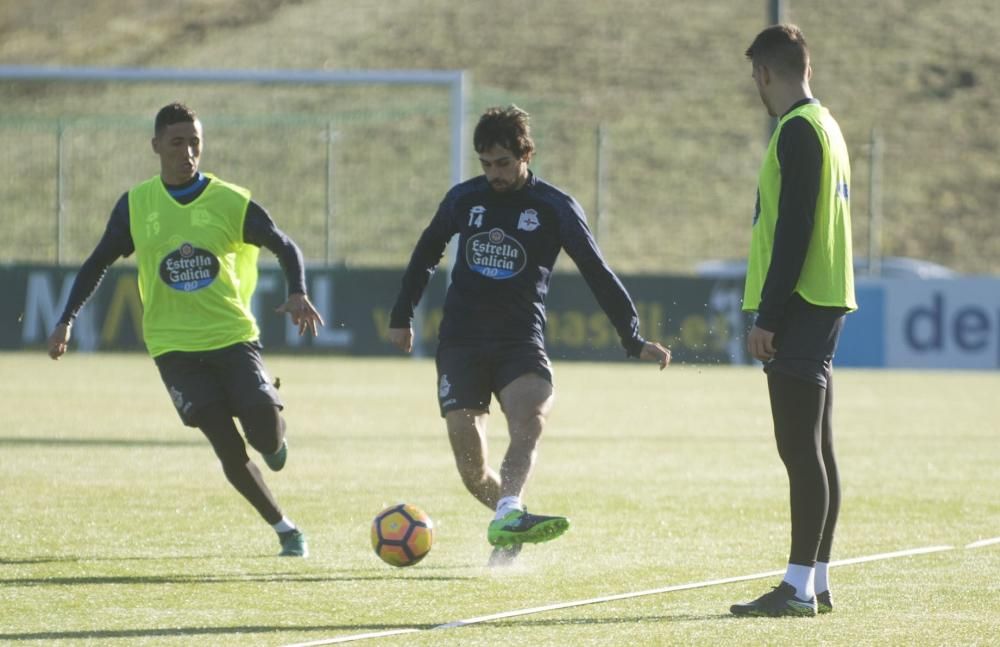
(284, 525)
(803, 579)
(822, 576)
(507, 504)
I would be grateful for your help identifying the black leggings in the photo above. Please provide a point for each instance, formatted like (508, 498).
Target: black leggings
(265, 430)
(803, 430)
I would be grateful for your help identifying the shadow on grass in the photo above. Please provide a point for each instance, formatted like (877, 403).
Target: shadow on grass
(95, 580)
(220, 631)
(77, 559)
(197, 631)
(100, 442)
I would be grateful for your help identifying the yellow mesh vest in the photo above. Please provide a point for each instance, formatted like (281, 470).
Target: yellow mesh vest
(196, 275)
(827, 277)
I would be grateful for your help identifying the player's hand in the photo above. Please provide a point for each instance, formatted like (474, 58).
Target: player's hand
(303, 313)
(654, 351)
(401, 338)
(760, 344)
(58, 340)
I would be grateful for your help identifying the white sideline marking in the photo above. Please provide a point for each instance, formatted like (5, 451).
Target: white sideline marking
(352, 638)
(625, 596)
(898, 553)
(984, 542)
(607, 598)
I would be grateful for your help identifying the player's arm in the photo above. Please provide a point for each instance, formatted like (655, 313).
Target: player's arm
(423, 262)
(259, 229)
(800, 157)
(611, 295)
(116, 242)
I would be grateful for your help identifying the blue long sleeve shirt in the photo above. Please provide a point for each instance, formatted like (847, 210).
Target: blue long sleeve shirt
(507, 246)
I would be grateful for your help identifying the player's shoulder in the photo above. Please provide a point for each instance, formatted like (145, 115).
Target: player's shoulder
(558, 199)
(796, 124)
(470, 187)
(218, 183)
(120, 213)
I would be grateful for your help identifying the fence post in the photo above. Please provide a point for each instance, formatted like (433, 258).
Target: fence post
(875, 203)
(60, 189)
(328, 220)
(602, 226)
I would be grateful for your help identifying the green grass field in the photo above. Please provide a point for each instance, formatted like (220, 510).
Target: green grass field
(119, 528)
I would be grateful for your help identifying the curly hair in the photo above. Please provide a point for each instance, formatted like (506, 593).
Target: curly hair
(505, 127)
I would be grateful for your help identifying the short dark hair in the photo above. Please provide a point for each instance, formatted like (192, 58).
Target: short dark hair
(782, 48)
(173, 113)
(506, 127)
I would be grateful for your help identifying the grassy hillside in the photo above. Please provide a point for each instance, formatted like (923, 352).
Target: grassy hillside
(666, 81)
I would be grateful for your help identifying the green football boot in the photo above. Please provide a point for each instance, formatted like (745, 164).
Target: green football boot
(519, 527)
(277, 460)
(293, 544)
(781, 601)
(824, 602)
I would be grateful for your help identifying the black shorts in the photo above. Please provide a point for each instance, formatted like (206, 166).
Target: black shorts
(806, 341)
(233, 376)
(469, 372)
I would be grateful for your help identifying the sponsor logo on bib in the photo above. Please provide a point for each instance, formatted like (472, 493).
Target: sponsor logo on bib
(189, 268)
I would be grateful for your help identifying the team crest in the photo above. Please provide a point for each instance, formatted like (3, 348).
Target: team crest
(528, 220)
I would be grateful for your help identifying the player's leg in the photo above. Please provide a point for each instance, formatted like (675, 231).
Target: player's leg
(251, 393)
(253, 397)
(526, 396)
(463, 390)
(265, 431)
(200, 400)
(194, 384)
(824, 598)
(526, 403)
(467, 435)
(797, 410)
(219, 428)
(234, 380)
(798, 388)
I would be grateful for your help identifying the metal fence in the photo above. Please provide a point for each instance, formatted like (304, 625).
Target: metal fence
(338, 179)
(354, 175)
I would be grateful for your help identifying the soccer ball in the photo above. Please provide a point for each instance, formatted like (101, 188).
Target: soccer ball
(402, 534)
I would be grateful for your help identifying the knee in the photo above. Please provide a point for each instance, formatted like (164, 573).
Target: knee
(218, 427)
(527, 429)
(264, 428)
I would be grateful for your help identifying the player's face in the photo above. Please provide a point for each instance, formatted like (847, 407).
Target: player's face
(504, 171)
(179, 148)
(761, 77)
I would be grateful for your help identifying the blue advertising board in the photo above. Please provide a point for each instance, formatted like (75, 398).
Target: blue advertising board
(901, 323)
